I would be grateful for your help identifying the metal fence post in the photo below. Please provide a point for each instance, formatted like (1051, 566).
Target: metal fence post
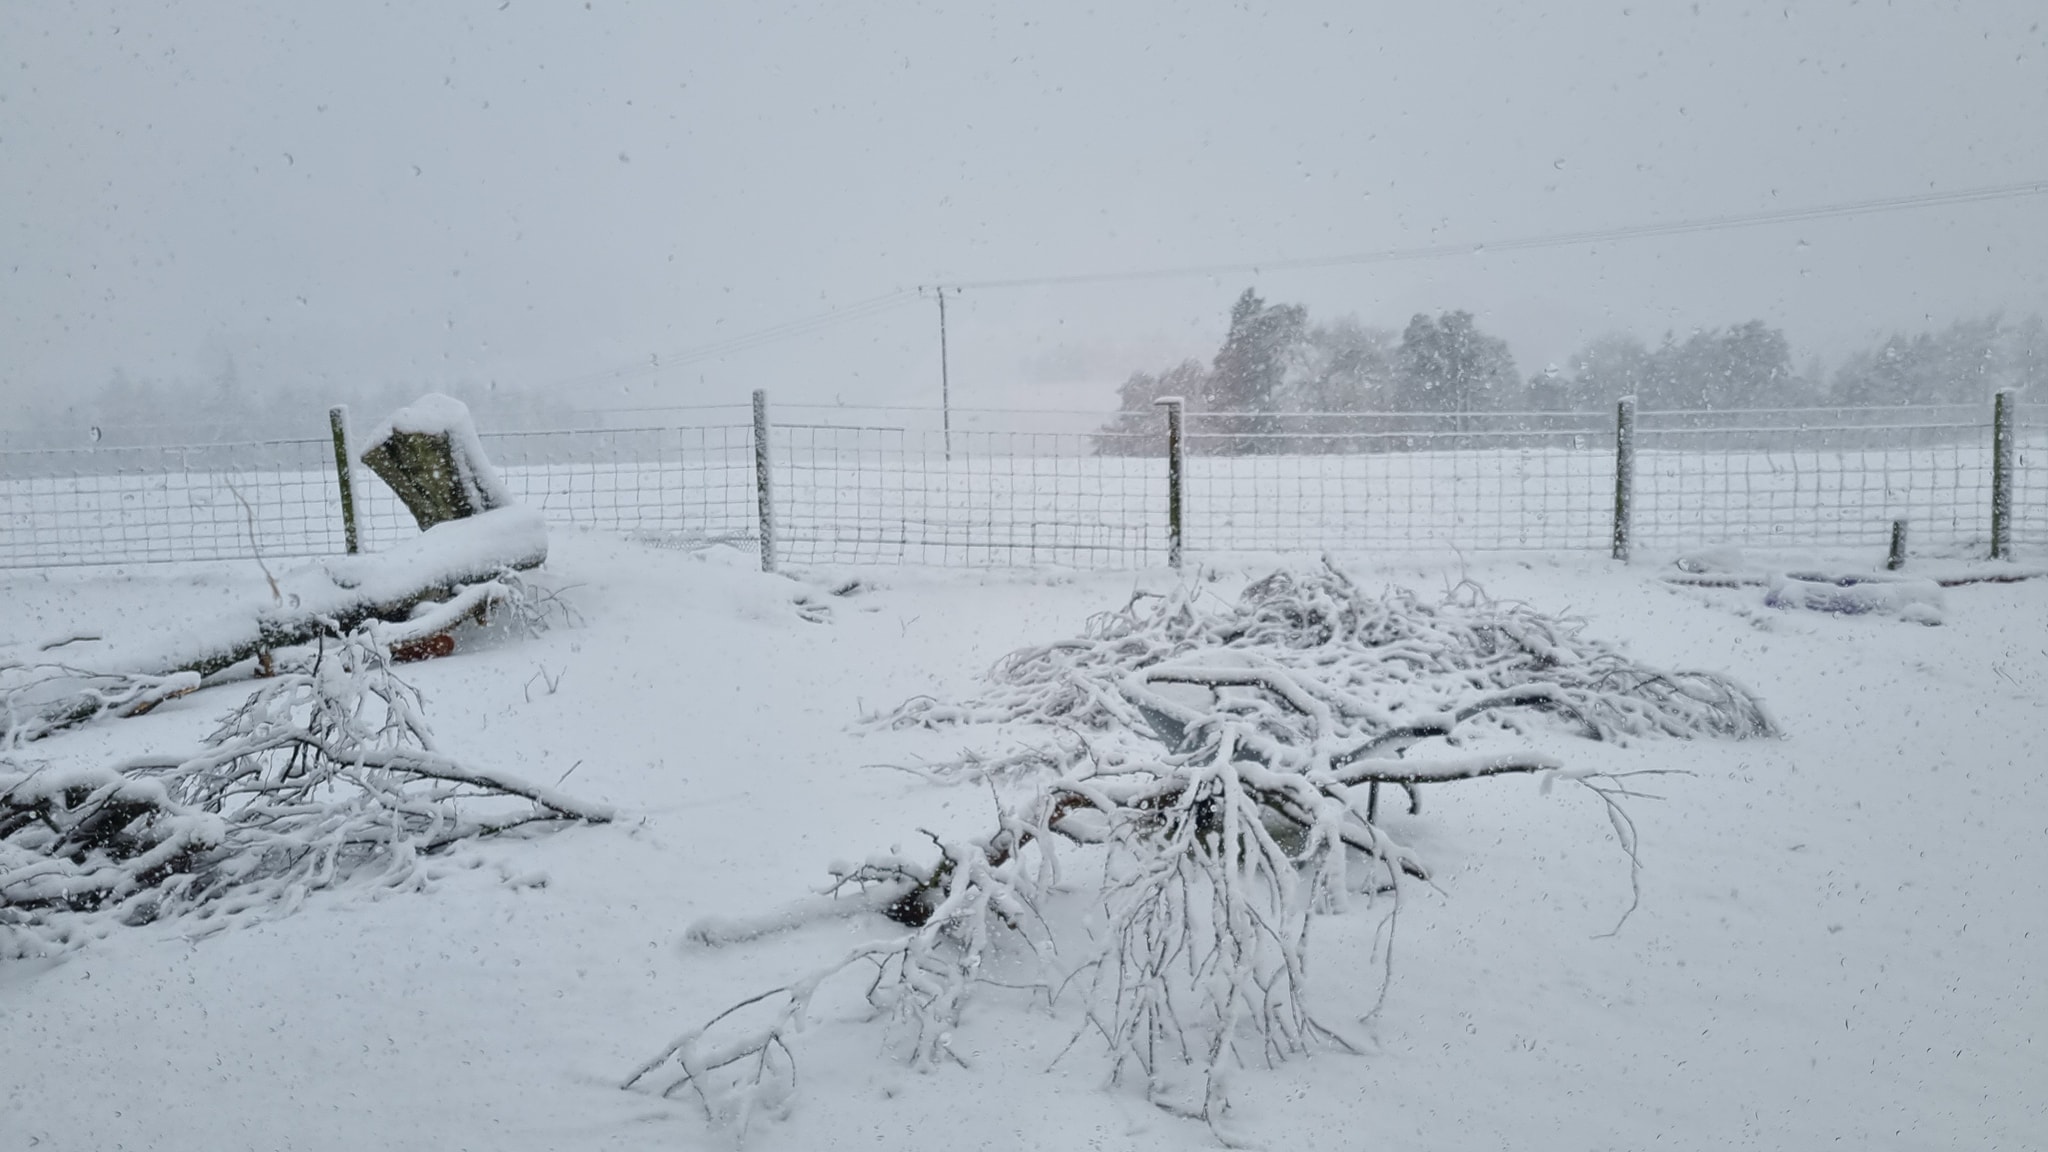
(1176, 470)
(2002, 406)
(344, 475)
(764, 484)
(1624, 475)
(1896, 559)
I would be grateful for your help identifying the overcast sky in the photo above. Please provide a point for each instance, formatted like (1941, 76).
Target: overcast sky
(529, 192)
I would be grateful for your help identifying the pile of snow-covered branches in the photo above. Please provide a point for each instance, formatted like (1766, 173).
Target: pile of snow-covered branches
(327, 772)
(1392, 656)
(1215, 765)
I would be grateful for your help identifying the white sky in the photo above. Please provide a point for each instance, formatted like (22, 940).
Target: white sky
(530, 192)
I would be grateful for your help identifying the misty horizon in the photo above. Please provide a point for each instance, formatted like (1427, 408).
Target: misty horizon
(558, 201)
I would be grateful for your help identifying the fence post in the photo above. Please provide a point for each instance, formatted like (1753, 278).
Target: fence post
(1176, 461)
(764, 484)
(1897, 558)
(2001, 474)
(344, 475)
(1624, 475)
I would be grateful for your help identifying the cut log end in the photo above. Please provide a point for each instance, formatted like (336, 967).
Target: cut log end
(425, 648)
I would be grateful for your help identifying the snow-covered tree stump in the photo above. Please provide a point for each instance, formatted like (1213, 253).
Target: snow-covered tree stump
(429, 453)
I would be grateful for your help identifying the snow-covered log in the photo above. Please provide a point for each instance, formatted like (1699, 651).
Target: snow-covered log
(465, 564)
(1916, 601)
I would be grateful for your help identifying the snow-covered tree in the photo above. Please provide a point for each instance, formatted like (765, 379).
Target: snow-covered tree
(1342, 369)
(1250, 371)
(1597, 375)
(1446, 364)
(1747, 365)
(1344, 366)
(1139, 428)
(1963, 363)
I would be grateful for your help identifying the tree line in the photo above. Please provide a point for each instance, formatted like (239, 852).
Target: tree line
(130, 410)
(1275, 363)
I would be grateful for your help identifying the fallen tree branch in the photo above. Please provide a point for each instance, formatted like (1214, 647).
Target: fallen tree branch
(326, 773)
(457, 568)
(1765, 579)
(1219, 770)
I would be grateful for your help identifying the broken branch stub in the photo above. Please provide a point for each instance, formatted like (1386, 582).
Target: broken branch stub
(430, 455)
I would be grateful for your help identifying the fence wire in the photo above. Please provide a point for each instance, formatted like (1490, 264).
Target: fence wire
(890, 491)
(685, 487)
(1800, 478)
(864, 495)
(2030, 482)
(137, 505)
(1409, 482)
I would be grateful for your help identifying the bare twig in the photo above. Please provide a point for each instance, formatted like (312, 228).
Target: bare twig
(255, 545)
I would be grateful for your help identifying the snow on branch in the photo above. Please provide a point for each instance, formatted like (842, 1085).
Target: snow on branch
(1216, 765)
(1396, 660)
(742, 1063)
(327, 773)
(420, 587)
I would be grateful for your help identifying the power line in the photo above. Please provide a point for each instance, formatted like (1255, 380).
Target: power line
(876, 305)
(1525, 243)
(746, 341)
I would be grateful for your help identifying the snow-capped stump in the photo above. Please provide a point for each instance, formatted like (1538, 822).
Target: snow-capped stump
(429, 453)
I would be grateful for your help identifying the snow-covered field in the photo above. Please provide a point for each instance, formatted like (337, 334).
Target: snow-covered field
(1840, 942)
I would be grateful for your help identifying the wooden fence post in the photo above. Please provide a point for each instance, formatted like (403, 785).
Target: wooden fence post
(764, 482)
(1624, 475)
(1176, 472)
(344, 476)
(2002, 406)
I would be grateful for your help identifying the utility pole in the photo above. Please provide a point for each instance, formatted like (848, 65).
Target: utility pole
(945, 378)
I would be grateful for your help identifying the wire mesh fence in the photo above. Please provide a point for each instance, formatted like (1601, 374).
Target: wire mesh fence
(121, 505)
(2030, 483)
(135, 505)
(682, 486)
(1402, 482)
(866, 487)
(687, 486)
(860, 495)
(1815, 477)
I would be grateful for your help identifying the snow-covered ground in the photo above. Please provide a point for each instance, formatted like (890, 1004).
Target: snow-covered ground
(1841, 937)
